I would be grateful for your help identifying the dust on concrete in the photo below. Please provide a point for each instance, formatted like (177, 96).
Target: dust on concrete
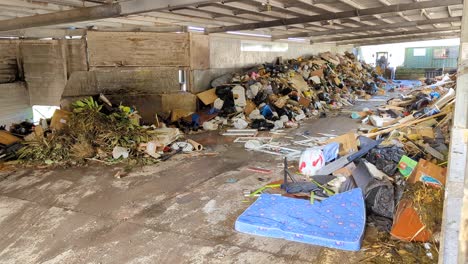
(179, 211)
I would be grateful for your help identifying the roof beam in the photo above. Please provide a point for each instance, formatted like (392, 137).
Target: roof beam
(44, 33)
(370, 28)
(338, 15)
(96, 12)
(390, 34)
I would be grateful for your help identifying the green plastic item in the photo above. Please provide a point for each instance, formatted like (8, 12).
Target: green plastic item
(406, 166)
(260, 190)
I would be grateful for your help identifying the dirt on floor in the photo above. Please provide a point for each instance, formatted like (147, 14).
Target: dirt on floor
(179, 211)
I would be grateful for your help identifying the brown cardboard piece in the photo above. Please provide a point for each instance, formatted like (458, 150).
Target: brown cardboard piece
(427, 171)
(346, 171)
(318, 73)
(348, 143)
(337, 81)
(59, 119)
(179, 113)
(208, 97)
(6, 138)
(299, 83)
(425, 132)
(249, 107)
(304, 101)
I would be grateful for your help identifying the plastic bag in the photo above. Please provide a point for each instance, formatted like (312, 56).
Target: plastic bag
(311, 161)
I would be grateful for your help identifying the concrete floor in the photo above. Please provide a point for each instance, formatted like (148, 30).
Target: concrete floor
(179, 211)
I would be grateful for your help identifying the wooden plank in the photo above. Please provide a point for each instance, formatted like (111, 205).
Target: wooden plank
(138, 49)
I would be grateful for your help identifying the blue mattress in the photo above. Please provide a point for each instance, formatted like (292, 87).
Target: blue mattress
(337, 222)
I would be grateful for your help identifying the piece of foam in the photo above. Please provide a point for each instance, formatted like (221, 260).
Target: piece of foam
(337, 222)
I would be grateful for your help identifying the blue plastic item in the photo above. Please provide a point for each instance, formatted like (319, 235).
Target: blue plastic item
(330, 151)
(267, 112)
(337, 222)
(435, 95)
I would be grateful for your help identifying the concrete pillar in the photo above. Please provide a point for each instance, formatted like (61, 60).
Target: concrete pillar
(454, 239)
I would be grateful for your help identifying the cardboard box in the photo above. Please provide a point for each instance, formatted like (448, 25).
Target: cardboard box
(428, 173)
(179, 113)
(6, 138)
(59, 119)
(348, 143)
(250, 106)
(208, 97)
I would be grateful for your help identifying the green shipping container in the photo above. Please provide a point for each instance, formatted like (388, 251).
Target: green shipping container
(431, 57)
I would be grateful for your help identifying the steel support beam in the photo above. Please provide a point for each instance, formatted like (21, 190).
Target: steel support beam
(369, 28)
(95, 13)
(339, 15)
(390, 34)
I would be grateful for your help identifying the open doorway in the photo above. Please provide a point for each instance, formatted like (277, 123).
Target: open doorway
(43, 112)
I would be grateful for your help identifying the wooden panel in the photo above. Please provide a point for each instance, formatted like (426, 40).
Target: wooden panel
(45, 70)
(76, 55)
(199, 52)
(14, 104)
(8, 61)
(138, 49)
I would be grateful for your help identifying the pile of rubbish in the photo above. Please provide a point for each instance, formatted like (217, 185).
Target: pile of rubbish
(279, 95)
(397, 159)
(267, 97)
(97, 130)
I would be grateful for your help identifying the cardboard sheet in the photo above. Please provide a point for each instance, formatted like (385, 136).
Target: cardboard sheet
(208, 97)
(348, 143)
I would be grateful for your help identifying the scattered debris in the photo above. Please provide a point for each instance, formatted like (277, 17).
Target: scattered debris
(401, 175)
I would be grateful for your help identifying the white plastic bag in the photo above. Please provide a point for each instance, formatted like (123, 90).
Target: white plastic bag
(311, 161)
(240, 124)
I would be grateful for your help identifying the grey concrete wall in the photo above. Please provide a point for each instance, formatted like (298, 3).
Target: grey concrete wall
(14, 104)
(226, 56)
(123, 80)
(45, 70)
(76, 55)
(226, 52)
(202, 78)
(8, 60)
